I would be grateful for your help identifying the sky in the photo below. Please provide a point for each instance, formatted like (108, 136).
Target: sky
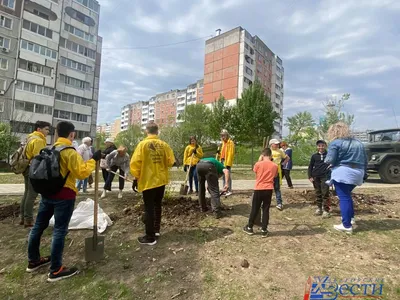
(328, 48)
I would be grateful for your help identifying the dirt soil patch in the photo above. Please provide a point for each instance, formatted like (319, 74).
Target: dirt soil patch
(199, 257)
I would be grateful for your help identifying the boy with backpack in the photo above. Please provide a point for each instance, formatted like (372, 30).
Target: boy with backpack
(266, 172)
(35, 142)
(58, 190)
(318, 174)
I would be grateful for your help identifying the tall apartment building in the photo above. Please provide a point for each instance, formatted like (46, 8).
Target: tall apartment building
(236, 59)
(54, 55)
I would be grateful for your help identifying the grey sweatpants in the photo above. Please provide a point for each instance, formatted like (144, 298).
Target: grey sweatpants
(206, 171)
(27, 201)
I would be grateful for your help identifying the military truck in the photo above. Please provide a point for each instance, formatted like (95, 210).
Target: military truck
(383, 151)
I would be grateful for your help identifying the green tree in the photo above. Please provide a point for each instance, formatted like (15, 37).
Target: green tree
(130, 138)
(253, 116)
(301, 127)
(334, 114)
(8, 141)
(100, 137)
(196, 122)
(175, 137)
(220, 118)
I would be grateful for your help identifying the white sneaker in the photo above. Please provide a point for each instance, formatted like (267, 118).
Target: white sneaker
(157, 234)
(228, 194)
(353, 221)
(103, 195)
(120, 194)
(343, 229)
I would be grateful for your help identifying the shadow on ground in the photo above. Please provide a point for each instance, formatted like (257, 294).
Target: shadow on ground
(378, 225)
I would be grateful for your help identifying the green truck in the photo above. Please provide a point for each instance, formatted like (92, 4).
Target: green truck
(383, 151)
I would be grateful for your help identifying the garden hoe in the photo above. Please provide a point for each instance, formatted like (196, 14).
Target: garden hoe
(94, 246)
(184, 186)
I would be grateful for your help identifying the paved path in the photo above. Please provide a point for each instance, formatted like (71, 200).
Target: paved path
(18, 189)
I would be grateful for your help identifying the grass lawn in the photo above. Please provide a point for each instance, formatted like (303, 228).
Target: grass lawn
(199, 257)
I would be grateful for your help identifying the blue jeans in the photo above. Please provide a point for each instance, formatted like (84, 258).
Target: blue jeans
(84, 182)
(62, 211)
(230, 177)
(343, 191)
(277, 189)
(193, 175)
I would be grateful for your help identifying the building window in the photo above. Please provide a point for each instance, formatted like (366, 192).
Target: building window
(8, 3)
(91, 4)
(66, 115)
(1, 106)
(248, 81)
(249, 71)
(74, 82)
(4, 42)
(5, 22)
(79, 33)
(34, 88)
(277, 87)
(277, 97)
(34, 67)
(249, 60)
(33, 107)
(37, 29)
(77, 48)
(77, 15)
(38, 49)
(75, 65)
(3, 63)
(40, 14)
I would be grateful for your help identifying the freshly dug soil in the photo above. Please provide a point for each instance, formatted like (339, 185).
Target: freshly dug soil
(9, 210)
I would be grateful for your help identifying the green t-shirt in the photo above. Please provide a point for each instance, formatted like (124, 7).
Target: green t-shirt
(220, 167)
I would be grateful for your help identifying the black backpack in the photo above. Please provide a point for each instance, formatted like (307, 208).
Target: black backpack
(44, 172)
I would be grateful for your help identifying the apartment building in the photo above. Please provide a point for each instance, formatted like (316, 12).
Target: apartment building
(57, 55)
(236, 59)
(164, 108)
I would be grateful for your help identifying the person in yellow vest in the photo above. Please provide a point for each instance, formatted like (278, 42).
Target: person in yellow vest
(279, 157)
(226, 155)
(36, 141)
(150, 165)
(193, 154)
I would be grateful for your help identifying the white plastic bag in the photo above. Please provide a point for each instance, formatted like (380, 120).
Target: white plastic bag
(82, 217)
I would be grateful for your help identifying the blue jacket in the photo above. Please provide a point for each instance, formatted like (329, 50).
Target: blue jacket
(289, 164)
(347, 152)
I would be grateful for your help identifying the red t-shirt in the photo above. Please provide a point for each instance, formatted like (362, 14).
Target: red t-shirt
(266, 171)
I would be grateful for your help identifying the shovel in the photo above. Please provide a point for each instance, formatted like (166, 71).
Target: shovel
(94, 246)
(184, 186)
(115, 173)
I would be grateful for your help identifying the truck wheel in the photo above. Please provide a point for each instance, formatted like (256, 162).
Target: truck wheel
(390, 171)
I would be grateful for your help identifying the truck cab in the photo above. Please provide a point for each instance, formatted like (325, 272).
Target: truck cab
(383, 151)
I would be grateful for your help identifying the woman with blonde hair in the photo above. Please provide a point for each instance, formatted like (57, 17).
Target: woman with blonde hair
(348, 161)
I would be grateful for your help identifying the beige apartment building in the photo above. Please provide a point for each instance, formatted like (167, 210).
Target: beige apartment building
(51, 57)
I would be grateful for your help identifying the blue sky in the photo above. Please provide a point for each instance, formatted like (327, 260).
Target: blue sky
(328, 47)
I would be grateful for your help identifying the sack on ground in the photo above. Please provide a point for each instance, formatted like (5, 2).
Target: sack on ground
(82, 217)
(44, 172)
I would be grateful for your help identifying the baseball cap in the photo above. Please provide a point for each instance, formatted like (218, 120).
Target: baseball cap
(273, 141)
(109, 140)
(320, 142)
